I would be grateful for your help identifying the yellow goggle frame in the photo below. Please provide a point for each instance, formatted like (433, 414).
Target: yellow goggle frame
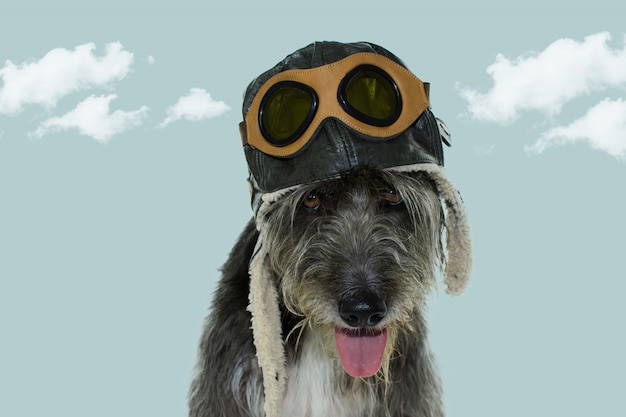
(326, 82)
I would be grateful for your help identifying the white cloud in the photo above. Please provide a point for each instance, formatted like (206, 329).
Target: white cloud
(92, 117)
(151, 60)
(59, 73)
(603, 127)
(565, 70)
(197, 105)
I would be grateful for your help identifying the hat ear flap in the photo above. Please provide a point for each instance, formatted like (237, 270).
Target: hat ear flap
(458, 265)
(266, 320)
(266, 330)
(458, 243)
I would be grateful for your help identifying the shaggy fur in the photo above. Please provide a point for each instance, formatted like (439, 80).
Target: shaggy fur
(369, 232)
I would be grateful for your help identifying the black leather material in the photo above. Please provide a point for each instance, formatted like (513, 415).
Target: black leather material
(335, 148)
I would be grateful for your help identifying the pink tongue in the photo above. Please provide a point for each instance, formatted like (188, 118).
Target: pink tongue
(361, 353)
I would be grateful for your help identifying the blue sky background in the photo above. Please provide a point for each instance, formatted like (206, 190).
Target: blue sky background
(122, 190)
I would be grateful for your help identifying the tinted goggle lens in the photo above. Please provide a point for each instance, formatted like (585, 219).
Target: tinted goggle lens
(370, 95)
(286, 111)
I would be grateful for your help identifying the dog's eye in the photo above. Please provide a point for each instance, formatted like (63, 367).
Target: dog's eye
(312, 201)
(392, 197)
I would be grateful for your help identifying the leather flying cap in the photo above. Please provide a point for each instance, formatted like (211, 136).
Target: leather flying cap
(335, 148)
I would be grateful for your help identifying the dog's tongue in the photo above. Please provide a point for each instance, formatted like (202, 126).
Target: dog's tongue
(361, 353)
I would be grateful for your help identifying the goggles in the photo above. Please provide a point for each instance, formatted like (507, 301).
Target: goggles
(368, 92)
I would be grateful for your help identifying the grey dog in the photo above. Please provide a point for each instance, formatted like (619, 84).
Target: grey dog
(356, 256)
(320, 310)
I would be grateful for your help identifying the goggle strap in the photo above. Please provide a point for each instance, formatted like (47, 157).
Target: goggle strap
(427, 90)
(243, 132)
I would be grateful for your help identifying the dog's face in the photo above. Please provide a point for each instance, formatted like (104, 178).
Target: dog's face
(354, 258)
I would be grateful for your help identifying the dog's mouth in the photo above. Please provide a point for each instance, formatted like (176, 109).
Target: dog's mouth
(361, 350)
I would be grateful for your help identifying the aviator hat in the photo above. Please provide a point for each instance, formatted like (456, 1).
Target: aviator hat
(335, 147)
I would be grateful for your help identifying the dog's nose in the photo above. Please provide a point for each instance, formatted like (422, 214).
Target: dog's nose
(364, 309)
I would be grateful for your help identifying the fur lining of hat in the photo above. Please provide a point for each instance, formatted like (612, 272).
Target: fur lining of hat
(266, 323)
(458, 242)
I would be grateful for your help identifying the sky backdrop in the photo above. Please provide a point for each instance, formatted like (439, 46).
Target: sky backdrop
(122, 190)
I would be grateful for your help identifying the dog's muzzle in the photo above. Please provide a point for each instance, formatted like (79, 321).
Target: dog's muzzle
(361, 347)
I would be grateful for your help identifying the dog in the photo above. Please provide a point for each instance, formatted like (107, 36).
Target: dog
(354, 259)
(320, 309)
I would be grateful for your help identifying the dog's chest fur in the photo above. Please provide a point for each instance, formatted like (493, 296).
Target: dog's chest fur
(313, 389)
